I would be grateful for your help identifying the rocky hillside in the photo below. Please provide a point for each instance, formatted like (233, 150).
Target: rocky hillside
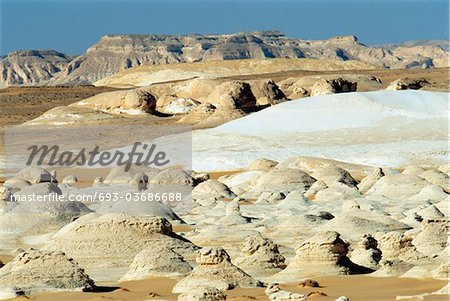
(114, 53)
(31, 66)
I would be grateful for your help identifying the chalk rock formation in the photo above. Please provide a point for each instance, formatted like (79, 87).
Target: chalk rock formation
(262, 164)
(34, 271)
(368, 181)
(282, 180)
(215, 269)
(407, 83)
(398, 186)
(437, 177)
(176, 105)
(261, 257)
(315, 188)
(233, 95)
(202, 293)
(29, 67)
(212, 188)
(118, 175)
(275, 293)
(332, 174)
(324, 254)
(134, 101)
(367, 253)
(121, 236)
(396, 246)
(70, 180)
(432, 239)
(267, 93)
(160, 261)
(331, 86)
(392, 268)
(36, 174)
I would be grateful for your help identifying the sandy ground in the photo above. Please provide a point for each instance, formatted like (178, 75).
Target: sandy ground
(368, 288)
(20, 104)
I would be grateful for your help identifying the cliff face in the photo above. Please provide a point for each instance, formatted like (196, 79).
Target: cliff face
(31, 66)
(114, 53)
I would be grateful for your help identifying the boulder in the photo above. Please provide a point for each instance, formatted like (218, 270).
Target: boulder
(232, 95)
(176, 105)
(331, 86)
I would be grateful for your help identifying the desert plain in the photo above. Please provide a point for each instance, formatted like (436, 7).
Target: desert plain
(316, 170)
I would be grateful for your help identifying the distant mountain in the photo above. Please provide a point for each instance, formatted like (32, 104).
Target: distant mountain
(28, 67)
(444, 44)
(114, 53)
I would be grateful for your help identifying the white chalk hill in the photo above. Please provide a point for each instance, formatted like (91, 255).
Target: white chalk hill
(384, 128)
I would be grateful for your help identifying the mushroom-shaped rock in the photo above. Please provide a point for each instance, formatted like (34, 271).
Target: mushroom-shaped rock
(366, 252)
(324, 254)
(215, 269)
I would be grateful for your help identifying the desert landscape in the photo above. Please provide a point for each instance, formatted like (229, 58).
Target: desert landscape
(296, 170)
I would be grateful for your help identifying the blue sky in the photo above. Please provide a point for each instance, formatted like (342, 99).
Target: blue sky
(72, 26)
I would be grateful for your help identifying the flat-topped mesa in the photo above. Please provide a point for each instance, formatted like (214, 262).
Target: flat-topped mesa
(351, 39)
(114, 53)
(37, 53)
